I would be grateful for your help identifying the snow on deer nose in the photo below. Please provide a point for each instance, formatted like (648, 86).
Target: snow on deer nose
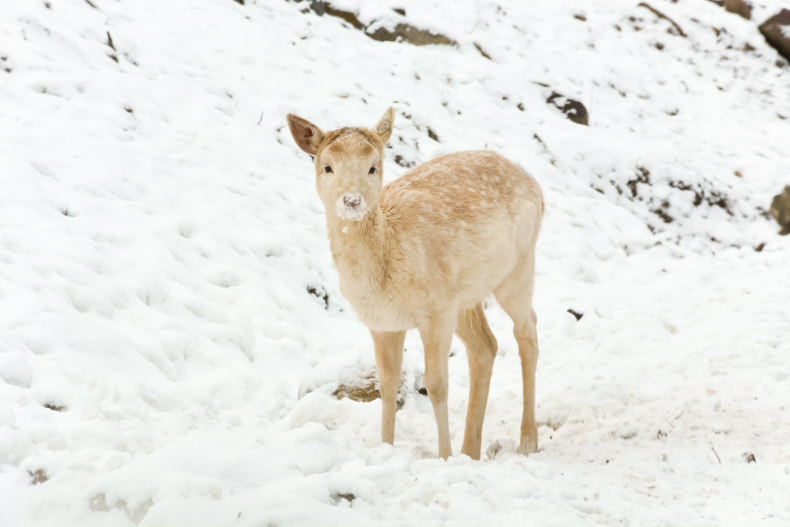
(351, 202)
(351, 206)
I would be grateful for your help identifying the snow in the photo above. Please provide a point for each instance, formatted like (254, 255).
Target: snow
(162, 361)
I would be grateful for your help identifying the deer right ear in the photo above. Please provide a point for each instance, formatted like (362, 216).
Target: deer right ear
(307, 135)
(384, 126)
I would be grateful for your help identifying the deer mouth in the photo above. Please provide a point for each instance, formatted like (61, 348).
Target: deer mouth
(351, 206)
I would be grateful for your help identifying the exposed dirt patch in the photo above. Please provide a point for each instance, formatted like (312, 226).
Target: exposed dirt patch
(38, 476)
(343, 496)
(320, 293)
(642, 176)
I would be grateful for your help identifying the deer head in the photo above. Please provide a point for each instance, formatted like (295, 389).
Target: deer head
(348, 164)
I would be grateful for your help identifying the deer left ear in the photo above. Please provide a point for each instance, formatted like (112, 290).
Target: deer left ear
(307, 135)
(384, 126)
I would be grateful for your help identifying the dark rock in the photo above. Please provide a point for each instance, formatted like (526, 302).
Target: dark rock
(576, 314)
(780, 210)
(772, 30)
(573, 110)
(739, 7)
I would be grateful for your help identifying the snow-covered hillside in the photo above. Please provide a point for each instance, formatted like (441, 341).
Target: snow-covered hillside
(172, 330)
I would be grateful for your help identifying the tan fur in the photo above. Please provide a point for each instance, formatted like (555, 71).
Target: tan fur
(423, 252)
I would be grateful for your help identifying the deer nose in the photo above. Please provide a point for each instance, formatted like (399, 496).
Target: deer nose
(352, 202)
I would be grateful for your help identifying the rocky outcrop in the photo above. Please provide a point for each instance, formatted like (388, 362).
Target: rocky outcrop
(780, 210)
(402, 31)
(739, 7)
(776, 31)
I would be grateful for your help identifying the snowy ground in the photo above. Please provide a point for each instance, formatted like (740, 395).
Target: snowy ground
(159, 232)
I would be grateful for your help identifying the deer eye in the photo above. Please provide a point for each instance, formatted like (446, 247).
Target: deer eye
(328, 169)
(372, 170)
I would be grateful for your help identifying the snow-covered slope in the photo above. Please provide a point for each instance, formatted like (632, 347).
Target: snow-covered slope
(167, 292)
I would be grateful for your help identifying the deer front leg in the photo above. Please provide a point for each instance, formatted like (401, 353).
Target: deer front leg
(436, 334)
(389, 357)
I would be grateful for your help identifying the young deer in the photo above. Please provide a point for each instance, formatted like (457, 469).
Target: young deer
(424, 252)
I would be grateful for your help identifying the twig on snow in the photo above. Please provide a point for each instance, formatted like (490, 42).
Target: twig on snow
(659, 14)
(110, 42)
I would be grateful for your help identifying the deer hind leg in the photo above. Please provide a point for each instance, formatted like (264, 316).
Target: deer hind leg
(436, 334)
(481, 346)
(514, 294)
(389, 357)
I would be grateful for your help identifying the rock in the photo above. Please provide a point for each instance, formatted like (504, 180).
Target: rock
(776, 31)
(363, 390)
(573, 110)
(780, 210)
(410, 34)
(739, 7)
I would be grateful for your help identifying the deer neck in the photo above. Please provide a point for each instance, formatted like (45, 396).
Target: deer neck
(361, 249)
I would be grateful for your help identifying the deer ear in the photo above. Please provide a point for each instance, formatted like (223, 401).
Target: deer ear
(307, 135)
(384, 126)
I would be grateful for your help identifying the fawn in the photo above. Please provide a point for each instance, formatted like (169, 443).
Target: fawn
(424, 252)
